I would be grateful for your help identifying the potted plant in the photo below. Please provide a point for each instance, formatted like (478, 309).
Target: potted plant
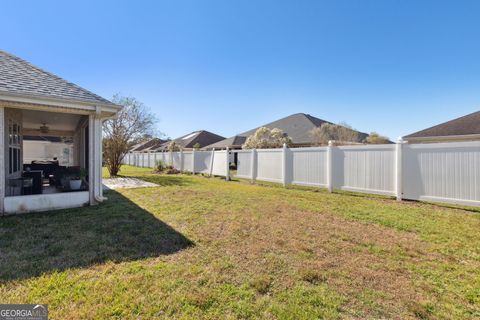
(76, 180)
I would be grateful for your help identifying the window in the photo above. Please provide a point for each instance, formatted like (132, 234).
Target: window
(14, 147)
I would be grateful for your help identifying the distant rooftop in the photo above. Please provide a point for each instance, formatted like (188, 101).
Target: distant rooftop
(188, 141)
(297, 126)
(466, 125)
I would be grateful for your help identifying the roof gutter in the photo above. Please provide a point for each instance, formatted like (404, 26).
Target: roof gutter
(59, 102)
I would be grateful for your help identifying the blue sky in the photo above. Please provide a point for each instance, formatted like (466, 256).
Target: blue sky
(227, 66)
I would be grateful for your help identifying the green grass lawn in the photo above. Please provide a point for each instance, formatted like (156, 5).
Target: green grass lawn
(203, 248)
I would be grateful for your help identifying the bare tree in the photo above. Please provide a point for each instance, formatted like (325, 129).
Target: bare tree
(342, 133)
(132, 124)
(197, 146)
(375, 138)
(173, 147)
(265, 138)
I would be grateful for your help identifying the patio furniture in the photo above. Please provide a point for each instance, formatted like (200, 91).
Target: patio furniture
(47, 167)
(37, 180)
(28, 185)
(21, 183)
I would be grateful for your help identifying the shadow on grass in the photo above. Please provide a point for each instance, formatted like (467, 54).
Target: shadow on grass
(117, 230)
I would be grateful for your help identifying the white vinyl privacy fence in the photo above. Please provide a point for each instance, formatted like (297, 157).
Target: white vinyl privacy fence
(440, 172)
(208, 162)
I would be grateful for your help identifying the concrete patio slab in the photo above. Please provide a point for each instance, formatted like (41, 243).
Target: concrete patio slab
(121, 182)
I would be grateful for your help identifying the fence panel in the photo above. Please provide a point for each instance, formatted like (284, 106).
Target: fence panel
(166, 157)
(150, 162)
(365, 168)
(444, 172)
(309, 166)
(176, 160)
(187, 161)
(220, 163)
(244, 163)
(269, 165)
(202, 161)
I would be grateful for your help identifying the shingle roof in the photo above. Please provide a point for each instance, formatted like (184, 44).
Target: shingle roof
(466, 125)
(148, 145)
(202, 137)
(297, 126)
(18, 76)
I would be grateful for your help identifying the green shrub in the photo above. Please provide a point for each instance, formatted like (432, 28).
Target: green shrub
(160, 166)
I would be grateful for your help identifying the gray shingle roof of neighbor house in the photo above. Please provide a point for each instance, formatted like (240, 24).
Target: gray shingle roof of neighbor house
(297, 126)
(148, 145)
(20, 78)
(466, 125)
(202, 137)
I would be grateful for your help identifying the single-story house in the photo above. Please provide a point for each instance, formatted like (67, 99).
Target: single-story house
(466, 128)
(50, 140)
(199, 138)
(297, 126)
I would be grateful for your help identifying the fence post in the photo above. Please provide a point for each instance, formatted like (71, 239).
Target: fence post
(284, 165)
(227, 172)
(211, 162)
(193, 161)
(154, 159)
(398, 169)
(143, 159)
(254, 164)
(330, 166)
(181, 160)
(171, 157)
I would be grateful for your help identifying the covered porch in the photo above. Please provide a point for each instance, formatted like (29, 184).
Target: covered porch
(50, 139)
(51, 155)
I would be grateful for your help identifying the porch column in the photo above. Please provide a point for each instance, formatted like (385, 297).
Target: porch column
(2, 159)
(95, 157)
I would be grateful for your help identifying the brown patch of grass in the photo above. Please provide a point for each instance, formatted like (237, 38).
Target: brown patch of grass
(261, 283)
(313, 276)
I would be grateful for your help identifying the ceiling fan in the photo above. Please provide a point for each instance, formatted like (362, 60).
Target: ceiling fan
(44, 128)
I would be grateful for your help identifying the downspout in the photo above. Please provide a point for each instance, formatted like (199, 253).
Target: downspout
(102, 198)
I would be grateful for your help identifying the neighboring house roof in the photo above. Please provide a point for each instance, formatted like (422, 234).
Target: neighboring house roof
(148, 145)
(463, 126)
(202, 137)
(20, 78)
(297, 126)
